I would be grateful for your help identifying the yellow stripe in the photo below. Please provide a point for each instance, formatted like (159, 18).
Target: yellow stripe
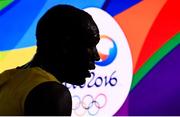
(14, 58)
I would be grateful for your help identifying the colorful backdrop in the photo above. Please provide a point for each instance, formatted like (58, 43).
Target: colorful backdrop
(152, 29)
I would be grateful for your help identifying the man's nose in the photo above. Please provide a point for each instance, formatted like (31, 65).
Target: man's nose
(96, 55)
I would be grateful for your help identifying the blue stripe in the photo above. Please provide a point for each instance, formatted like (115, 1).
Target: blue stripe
(16, 21)
(18, 24)
(114, 7)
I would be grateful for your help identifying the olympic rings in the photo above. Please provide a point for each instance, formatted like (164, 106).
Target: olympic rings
(95, 109)
(80, 111)
(104, 97)
(88, 104)
(76, 104)
(87, 101)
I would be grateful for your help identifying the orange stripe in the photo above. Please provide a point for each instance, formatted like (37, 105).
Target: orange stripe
(136, 22)
(166, 25)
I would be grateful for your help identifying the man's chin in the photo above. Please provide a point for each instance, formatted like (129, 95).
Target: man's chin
(82, 80)
(77, 78)
(88, 74)
(78, 82)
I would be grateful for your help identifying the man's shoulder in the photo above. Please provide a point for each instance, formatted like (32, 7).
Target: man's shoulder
(49, 98)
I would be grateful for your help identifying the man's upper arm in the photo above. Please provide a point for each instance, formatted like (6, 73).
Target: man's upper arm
(49, 98)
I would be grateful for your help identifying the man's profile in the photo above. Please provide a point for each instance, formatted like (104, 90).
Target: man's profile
(66, 51)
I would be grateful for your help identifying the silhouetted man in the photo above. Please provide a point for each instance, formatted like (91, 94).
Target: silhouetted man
(66, 51)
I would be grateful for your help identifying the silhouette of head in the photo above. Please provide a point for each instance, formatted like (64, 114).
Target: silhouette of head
(66, 43)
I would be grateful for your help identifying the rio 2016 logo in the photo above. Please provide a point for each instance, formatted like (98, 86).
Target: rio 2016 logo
(106, 59)
(107, 88)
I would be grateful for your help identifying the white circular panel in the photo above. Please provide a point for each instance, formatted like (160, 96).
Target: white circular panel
(106, 90)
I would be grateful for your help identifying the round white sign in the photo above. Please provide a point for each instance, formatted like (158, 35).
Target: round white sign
(106, 90)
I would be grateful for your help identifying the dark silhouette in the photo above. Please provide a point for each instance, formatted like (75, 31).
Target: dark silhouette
(66, 49)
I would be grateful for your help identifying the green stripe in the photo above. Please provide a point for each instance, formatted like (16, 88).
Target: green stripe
(161, 53)
(5, 3)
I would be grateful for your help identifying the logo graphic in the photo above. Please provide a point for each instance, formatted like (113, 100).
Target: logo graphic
(108, 58)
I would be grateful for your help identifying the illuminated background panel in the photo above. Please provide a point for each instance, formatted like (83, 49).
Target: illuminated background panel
(151, 28)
